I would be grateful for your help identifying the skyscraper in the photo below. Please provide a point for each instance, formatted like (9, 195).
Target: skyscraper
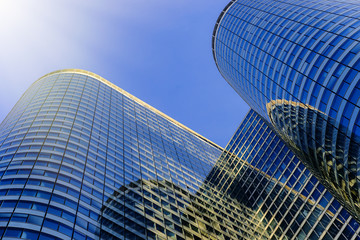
(81, 158)
(74, 144)
(262, 174)
(297, 63)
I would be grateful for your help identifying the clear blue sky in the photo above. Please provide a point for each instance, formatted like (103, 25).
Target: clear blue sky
(157, 50)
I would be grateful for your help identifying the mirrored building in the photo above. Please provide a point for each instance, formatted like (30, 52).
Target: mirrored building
(297, 63)
(263, 174)
(82, 159)
(74, 142)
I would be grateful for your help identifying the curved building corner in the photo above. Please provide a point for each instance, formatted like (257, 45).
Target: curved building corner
(297, 64)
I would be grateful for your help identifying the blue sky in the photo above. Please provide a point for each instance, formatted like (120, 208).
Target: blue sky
(158, 50)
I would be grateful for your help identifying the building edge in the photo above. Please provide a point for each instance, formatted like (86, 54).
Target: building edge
(137, 100)
(216, 27)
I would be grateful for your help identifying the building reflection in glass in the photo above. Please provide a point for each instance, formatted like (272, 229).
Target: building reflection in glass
(305, 53)
(257, 189)
(74, 139)
(171, 212)
(262, 173)
(327, 150)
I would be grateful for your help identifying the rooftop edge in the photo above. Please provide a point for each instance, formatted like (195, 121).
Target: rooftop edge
(137, 100)
(217, 26)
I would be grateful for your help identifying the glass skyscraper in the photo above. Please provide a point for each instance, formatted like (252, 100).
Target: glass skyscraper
(82, 159)
(262, 173)
(76, 148)
(297, 63)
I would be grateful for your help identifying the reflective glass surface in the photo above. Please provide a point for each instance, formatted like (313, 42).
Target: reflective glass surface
(261, 173)
(297, 64)
(82, 159)
(73, 148)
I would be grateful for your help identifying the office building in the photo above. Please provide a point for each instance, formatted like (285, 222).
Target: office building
(260, 172)
(296, 63)
(82, 159)
(74, 142)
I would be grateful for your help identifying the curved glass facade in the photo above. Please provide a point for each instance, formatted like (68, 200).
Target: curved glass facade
(74, 142)
(297, 64)
(82, 159)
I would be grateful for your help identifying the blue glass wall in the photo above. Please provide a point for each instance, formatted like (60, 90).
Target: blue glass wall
(262, 174)
(297, 64)
(74, 147)
(82, 159)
